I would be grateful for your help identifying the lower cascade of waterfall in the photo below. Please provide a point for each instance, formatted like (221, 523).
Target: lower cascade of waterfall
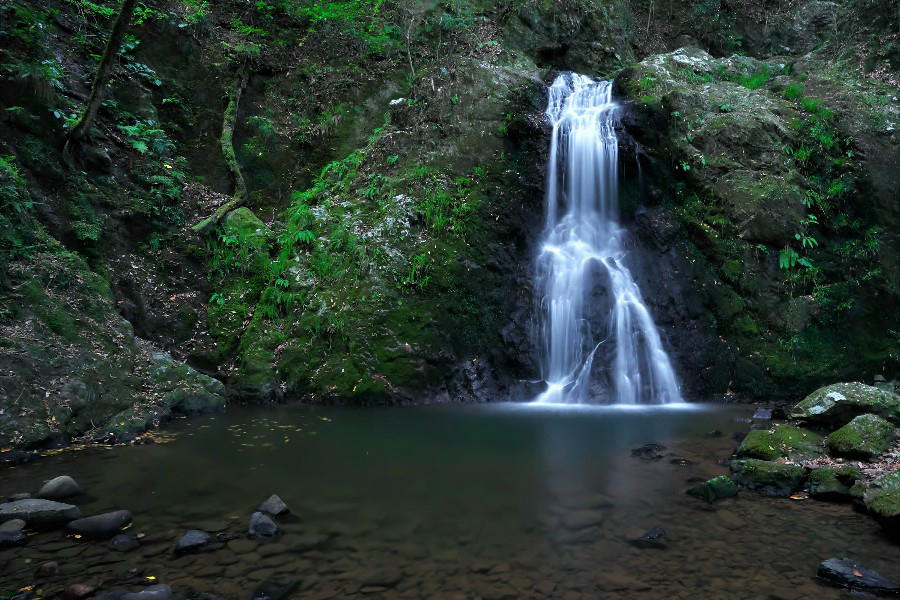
(583, 245)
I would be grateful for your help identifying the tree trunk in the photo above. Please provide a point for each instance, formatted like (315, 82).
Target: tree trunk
(227, 142)
(103, 71)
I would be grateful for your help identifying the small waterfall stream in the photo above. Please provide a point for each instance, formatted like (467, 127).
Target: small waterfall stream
(583, 241)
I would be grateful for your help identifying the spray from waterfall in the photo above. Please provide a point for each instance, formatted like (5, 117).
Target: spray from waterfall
(583, 244)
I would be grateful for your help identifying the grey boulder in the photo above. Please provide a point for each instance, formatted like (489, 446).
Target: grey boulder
(12, 534)
(58, 488)
(192, 541)
(100, 526)
(273, 506)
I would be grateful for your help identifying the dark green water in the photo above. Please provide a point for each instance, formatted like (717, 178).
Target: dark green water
(501, 501)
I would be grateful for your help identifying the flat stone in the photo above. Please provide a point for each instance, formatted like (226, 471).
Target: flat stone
(273, 506)
(39, 513)
(58, 488)
(848, 573)
(101, 526)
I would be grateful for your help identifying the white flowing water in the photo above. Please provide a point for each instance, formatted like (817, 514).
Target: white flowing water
(583, 244)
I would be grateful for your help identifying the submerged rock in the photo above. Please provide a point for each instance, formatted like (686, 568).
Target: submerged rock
(770, 478)
(838, 403)
(717, 488)
(654, 538)
(101, 526)
(58, 488)
(866, 436)
(649, 452)
(262, 526)
(77, 591)
(781, 441)
(273, 506)
(39, 513)
(47, 569)
(192, 541)
(848, 573)
(275, 589)
(833, 483)
(124, 543)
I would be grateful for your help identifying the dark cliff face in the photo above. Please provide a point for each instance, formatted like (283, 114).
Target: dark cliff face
(385, 249)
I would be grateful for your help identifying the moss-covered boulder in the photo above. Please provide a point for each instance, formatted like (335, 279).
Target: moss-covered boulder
(866, 437)
(246, 226)
(833, 483)
(781, 441)
(769, 478)
(838, 403)
(885, 507)
(717, 488)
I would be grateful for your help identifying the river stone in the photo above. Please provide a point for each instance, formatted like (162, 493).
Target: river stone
(770, 478)
(154, 592)
(866, 437)
(848, 573)
(101, 526)
(11, 533)
(19, 496)
(885, 507)
(781, 441)
(717, 488)
(654, 538)
(39, 513)
(273, 506)
(838, 403)
(262, 526)
(192, 541)
(833, 483)
(77, 591)
(58, 488)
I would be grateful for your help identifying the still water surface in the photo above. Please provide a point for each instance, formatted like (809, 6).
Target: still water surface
(498, 501)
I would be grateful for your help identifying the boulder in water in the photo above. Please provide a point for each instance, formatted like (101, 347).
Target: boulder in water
(101, 526)
(715, 489)
(865, 437)
(124, 543)
(838, 403)
(192, 541)
(39, 513)
(273, 506)
(262, 526)
(847, 573)
(770, 478)
(833, 483)
(58, 488)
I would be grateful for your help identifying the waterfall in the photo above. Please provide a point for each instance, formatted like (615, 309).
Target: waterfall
(583, 244)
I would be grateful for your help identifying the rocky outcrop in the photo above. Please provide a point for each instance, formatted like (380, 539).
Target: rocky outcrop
(838, 403)
(782, 440)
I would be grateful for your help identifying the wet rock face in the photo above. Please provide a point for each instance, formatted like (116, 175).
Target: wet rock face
(845, 572)
(838, 403)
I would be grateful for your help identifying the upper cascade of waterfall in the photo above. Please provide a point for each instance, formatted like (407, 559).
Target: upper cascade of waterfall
(583, 247)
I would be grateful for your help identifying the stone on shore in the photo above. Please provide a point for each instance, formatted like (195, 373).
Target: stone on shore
(837, 404)
(865, 437)
(833, 483)
(39, 513)
(781, 441)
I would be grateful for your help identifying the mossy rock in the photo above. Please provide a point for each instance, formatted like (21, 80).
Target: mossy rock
(833, 483)
(885, 507)
(769, 478)
(888, 482)
(717, 488)
(838, 403)
(247, 227)
(782, 441)
(866, 437)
